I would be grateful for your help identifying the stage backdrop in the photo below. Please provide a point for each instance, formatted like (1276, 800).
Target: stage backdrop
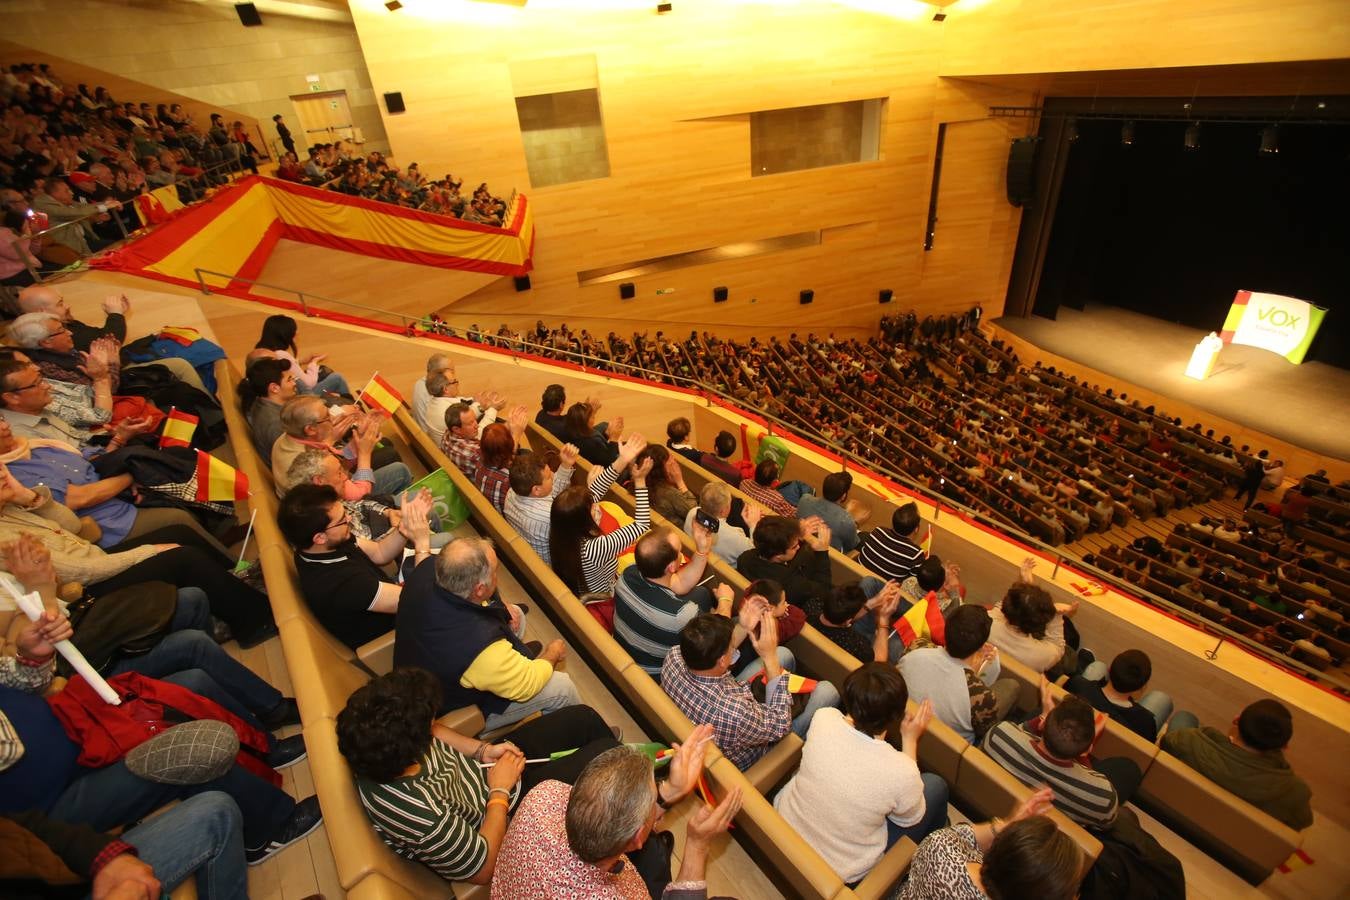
(1282, 325)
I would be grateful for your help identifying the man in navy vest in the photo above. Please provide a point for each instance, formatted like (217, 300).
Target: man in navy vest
(451, 623)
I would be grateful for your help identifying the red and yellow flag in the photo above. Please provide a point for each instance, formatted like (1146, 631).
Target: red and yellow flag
(178, 429)
(219, 482)
(381, 395)
(926, 545)
(182, 334)
(923, 619)
(796, 684)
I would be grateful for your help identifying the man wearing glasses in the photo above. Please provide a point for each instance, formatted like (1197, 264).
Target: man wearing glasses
(33, 406)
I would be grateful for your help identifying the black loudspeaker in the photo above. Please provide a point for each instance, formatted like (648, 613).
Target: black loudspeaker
(807, 297)
(1022, 170)
(885, 296)
(627, 291)
(522, 282)
(248, 14)
(719, 295)
(394, 102)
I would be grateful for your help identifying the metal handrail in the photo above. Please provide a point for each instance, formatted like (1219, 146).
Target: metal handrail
(938, 501)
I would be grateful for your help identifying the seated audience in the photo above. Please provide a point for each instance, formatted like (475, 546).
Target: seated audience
(715, 502)
(961, 679)
(697, 676)
(278, 337)
(442, 387)
(891, 552)
(595, 839)
(598, 444)
(670, 497)
(719, 461)
(856, 793)
(431, 792)
(677, 439)
(1053, 749)
(1029, 627)
(847, 604)
(777, 554)
(933, 576)
(829, 507)
(341, 576)
(267, 385)
(1127, 677)
(421, 396)
(1026, 855)
(452, 623)
(1248, 761)
(158, 556)
(308, 422)
(534, 487)
(760, 489)
(657, 596)
(499, 443)
(551, 417)
(586, 560)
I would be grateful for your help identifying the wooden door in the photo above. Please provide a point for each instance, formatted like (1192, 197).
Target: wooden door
(323, 117)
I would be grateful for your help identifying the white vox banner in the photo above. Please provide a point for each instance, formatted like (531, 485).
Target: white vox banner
(1283, 325)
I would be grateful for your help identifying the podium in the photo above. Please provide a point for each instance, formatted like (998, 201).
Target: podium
(1204, 356)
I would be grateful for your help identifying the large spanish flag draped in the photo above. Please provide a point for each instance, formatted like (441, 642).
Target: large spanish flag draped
(231, 235)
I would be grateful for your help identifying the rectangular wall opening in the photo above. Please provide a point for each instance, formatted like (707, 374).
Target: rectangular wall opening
(564, 137)
(810, 137)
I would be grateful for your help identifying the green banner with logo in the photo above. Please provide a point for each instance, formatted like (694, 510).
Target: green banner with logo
(449, 505)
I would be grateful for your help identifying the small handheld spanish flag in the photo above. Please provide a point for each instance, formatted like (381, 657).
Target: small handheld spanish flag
(923, 620)
(178, 429)
(796, 684)
(379, 394)
(926, 545)
(219, 482)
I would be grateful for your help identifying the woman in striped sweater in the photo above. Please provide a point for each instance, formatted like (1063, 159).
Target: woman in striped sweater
(586, 560)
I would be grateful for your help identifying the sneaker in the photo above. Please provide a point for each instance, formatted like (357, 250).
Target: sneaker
(287, 752)
(303, 819)
(534, 648)
(220, 632)
(284, 713)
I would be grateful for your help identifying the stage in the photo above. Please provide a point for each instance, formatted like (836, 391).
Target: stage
(1306, 405)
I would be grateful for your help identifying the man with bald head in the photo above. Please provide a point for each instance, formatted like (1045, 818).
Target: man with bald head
(451, 622)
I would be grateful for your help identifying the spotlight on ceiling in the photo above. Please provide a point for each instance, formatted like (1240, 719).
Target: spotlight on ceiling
(393, 5)
(1071, 131)
(1127, 134)
(1193, 136)
(939, 17)
(664, 7)
(1270, 139)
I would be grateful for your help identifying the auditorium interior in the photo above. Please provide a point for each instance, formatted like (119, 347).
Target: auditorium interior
(961, 250)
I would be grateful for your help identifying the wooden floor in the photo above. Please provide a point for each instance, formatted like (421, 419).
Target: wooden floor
(307, 867)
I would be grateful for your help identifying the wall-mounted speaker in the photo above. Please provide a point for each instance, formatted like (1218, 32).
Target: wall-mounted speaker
(885, 296)
(1022, 170)
(522, 282)
(719, 295)
(394, 102)
(627, 291)
(248, 14)
(807, 297)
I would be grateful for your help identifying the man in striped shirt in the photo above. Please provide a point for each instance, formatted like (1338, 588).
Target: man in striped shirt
(890, 552)
(1052, 749)
(656, 596)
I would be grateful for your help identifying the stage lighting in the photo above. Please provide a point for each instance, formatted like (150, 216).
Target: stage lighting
(393, 5)
(1127, 134)
(1071, 131)
(1270, 139)
(1193, 136)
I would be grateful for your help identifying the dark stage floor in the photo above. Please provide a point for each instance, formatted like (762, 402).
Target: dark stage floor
(1307, 405)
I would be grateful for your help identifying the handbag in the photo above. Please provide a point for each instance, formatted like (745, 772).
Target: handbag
(129, 621)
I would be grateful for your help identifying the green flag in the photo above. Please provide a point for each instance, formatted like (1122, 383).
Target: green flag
(774, 448)
(449, 505)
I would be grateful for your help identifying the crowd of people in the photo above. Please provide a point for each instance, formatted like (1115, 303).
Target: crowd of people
(371, 557)
(932, 402)
(74, 156)
(335, 167)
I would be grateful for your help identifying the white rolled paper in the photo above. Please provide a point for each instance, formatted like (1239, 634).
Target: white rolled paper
(31, 606)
